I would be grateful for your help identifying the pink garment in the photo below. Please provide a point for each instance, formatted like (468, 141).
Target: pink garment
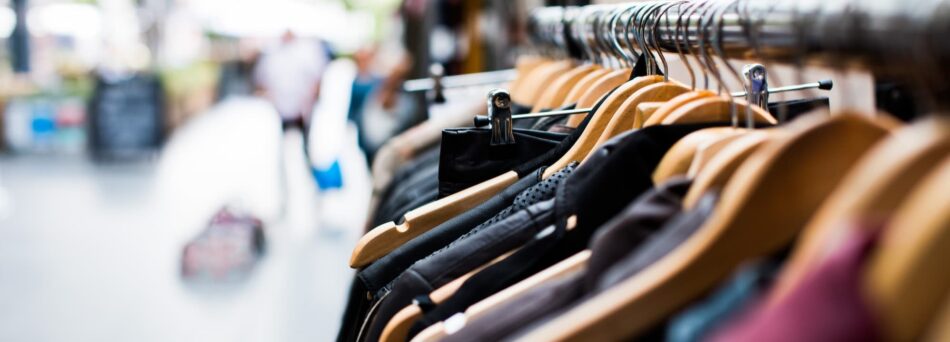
(827, 306)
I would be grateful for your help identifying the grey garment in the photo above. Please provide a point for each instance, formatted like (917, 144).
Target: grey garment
(624, 233)
(550, 298)
(701, 319)
(431, 273)
(642, 218)
(674, 233)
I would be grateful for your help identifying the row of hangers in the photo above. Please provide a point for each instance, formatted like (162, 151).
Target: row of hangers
(801, 179)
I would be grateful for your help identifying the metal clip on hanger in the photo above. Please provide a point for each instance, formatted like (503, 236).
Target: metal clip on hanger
(484, 120)
(758, 90)
(758, 94)
(499, 114)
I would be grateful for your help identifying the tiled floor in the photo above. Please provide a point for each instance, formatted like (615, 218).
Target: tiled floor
(90, 252)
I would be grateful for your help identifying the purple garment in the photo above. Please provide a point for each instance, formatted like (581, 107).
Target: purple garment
(826, 306)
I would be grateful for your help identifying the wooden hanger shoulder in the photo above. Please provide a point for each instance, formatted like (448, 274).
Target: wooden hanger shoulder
(600, 87)
(715, 109)
(572, 265)
(873, 190)
(939, 329)
(707, 150)
(524, 66)
(535, 83)
(586, 142)
(661, 93)
(554, 93)
(585, 83)
(723, 166)
(906, 278)
(761, 209)
(669, 106)
(626, 113)
(644, 111)
(676, 161)
(387, 237)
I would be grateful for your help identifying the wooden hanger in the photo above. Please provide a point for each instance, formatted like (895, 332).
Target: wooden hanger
(389, 236)
(626, 113)
(669, 106)
(677, 160)
(524, 67)
(706, 151)
(595, 128)
(761, 209)
(539, 79)
(700, 107)
(585, 83)
(602, 86)
(665, 93)
(724, 165)
(907, 278)
(557, 91)
(873, 190)
(712, 109)
(569, 266)
(939, 330)
(644, 111)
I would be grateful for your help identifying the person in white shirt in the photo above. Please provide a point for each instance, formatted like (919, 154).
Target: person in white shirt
(289, 76)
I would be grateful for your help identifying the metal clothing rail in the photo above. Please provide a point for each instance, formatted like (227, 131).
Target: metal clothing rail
(881, 35)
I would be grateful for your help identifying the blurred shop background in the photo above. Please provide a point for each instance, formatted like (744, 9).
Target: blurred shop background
(158, 182)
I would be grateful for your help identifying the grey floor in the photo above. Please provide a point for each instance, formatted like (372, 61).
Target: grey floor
(90, 252)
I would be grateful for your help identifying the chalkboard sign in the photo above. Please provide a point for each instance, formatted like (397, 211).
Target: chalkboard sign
(126, 116)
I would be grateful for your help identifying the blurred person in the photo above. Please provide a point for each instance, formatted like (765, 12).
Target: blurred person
(366, 81)
(289, 75)
(378, 107)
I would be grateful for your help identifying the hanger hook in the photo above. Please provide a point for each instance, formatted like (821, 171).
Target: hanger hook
(718, 17)
(638, 34)
(629, 33)
(644, 22)
(615, 40)
(679, 43)
(691, 10)
(701, 34)
(591, 20)
(603, 30)
(663, 12)
(580, 32)
(586, 34)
